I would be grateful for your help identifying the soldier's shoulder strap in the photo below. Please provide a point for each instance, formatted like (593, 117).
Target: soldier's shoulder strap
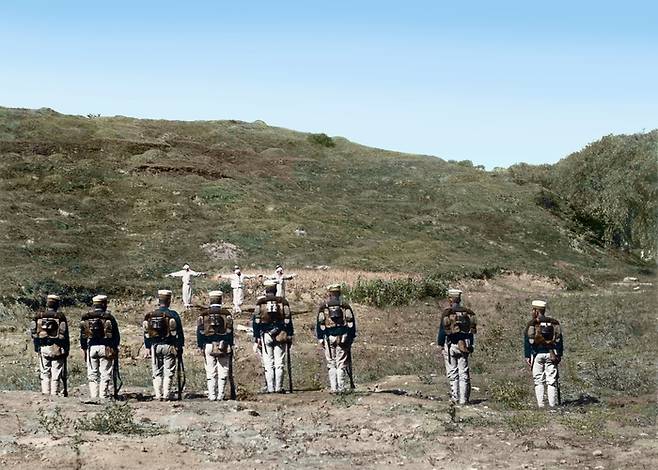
(261, 300)
(345, 306)
(226, 311)
(552, 320)
(283, 301)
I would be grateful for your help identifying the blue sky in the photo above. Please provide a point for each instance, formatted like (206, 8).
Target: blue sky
(493, 82)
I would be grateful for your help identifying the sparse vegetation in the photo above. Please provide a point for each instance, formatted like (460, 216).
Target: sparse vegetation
(116, 418)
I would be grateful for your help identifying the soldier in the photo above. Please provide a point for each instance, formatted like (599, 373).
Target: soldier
(456, 339)
(214, 336)
(50, 334)
(273, 332)
(336, 330)
(280, 280)
(186, 274)
(543, 348)
(163, 344)
(99, 343)
(237, 284)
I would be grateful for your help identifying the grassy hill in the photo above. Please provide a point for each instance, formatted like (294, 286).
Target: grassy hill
(113, 203)
(611, 187)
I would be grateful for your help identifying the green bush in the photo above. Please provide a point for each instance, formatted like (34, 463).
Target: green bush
(510, 395)
(115, 419)
(322, 139)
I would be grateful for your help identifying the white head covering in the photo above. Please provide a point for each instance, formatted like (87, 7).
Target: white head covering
(539, 304)
(454, 292)
(99, 298)
(186, 266)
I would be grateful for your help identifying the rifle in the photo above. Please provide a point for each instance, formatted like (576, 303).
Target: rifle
(116, 377)
(289, 368)
(180, 374)
(231, 379)
(349, 367)
(65, 373)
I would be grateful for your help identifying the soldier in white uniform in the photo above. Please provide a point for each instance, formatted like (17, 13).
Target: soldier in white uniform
(280, 280)
(163, 344)
(99, 342)
(543, 349)
(456, 338)
(237, 285)
(186, 274)
(336, 330)
(50, 334)
(214, 335)
(273, 332)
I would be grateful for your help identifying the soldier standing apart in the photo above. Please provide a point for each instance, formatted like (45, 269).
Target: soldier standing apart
(186, 274)
(214, 336)
(163, 344)
(50, 334)
(273, 332)
(336, 330)
(99, 343)
(543, 348)
(280, 280)
(237, 284)
(456, 339)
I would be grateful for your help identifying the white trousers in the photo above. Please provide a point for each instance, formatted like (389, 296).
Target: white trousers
(459, 375)
(50, 370)
(187, 295)
(217, 368)
(273, 356)
(99, 372)
(336, 356)
(545, 376)
(238, 298)
(163, 365)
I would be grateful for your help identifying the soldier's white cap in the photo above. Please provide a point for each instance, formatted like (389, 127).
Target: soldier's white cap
(269, 283)
(99, 299)
(333, 287)
(454, 292)
(53, 297)
(164, 293)
(215, 293)
(538, 304)
(186, 266)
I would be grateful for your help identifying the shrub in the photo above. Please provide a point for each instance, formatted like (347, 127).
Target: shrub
(322, 139)
(115, 419)
(511, 395)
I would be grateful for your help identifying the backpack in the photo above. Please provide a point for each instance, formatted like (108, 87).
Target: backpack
(544, 332)
(96, 326)
(50, 325)
(336, 315)
(459, 320)
(159, 324)
(270, 311)
(213, 322)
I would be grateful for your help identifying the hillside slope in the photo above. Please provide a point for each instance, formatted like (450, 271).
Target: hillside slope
(113, 203)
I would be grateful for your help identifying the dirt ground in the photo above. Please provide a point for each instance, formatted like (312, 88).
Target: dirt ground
(393, 419)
